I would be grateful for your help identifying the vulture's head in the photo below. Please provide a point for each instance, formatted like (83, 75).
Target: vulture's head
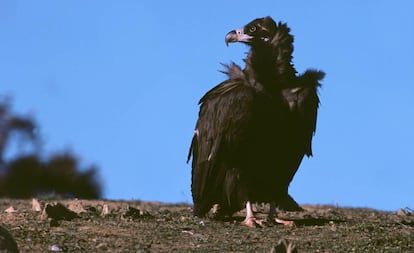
(258, 32)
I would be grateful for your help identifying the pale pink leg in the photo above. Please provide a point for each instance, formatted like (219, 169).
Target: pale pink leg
(250, 220)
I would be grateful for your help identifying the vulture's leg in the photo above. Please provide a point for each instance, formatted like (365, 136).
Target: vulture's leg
(217, 212)
(250, 220)
(273, 217)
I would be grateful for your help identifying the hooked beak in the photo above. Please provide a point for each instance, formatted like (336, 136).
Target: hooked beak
(237, 36)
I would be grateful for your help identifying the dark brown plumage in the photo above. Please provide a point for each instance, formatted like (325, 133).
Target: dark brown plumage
(255, 127)
(7, 242)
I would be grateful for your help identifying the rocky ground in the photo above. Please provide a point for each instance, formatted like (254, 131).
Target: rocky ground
(134, 226)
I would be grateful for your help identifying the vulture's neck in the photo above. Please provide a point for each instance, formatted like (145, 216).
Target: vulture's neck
(270, 65)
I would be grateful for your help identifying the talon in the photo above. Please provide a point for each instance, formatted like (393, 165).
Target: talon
(287, 223)
(251, 222)
(272, 216)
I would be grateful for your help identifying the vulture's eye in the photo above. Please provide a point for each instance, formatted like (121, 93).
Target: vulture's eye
(252, 29)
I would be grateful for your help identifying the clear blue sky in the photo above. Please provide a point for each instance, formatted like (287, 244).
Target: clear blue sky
(118, 83)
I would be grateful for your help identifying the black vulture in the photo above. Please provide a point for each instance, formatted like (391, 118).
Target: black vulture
(255, 127)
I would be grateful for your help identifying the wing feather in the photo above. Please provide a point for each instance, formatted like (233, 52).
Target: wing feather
(303, 101)
(224, 118)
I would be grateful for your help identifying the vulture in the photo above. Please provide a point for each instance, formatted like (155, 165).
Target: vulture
(254, 128)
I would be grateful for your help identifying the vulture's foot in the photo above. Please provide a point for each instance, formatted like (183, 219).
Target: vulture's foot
(217, 212)
(273, 217)
(287, 223)
(252, 222)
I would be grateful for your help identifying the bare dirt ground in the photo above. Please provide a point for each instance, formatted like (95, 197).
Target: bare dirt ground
(134, 226)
